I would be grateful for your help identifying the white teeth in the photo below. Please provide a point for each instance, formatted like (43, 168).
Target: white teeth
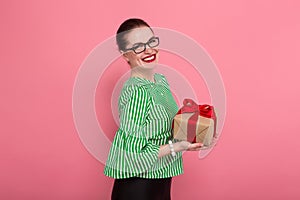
(149, 58)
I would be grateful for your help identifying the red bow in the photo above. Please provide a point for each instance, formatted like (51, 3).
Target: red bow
(189, 106)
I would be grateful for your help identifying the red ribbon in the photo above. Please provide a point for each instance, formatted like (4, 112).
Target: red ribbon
(189, 106)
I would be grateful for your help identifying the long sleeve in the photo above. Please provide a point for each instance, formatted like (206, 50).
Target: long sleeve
(140, 153)
(136, 154)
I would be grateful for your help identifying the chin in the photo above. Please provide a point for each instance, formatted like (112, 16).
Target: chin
(151, 65)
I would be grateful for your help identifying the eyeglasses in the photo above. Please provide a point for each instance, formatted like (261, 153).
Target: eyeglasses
(141, 47)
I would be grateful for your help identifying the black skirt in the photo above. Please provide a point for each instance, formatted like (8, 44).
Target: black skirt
(142, 189)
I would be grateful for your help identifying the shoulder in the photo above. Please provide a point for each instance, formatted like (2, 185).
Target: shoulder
(161, 79)
(132, 91)
(159, 76)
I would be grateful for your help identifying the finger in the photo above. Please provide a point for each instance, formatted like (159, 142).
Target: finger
(197, 149)
(205, 148)
(198, 144)
(195, 145)
(208, 147)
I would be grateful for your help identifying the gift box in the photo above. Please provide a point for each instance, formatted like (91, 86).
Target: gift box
(195, 123)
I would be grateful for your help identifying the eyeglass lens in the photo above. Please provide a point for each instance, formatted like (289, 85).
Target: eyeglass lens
(140, 47)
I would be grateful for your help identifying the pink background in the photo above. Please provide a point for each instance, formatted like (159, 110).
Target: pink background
(254, 43)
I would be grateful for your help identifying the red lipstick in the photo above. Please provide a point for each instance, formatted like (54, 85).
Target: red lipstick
(149, 59)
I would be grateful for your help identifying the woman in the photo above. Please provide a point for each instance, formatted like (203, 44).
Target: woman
(143, 158)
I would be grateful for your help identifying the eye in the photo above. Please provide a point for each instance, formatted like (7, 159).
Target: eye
(153, 42)
(138, 46)
(152, 39)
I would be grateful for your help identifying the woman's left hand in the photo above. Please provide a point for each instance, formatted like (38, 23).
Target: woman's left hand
(213, 143)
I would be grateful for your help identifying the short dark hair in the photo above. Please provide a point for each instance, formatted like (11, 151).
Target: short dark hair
(127, 25)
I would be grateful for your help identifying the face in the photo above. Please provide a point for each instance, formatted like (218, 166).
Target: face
(147, 58)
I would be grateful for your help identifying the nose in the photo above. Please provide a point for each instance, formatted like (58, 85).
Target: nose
(148, 49)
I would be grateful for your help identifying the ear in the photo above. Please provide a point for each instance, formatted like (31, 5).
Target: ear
(125, 56)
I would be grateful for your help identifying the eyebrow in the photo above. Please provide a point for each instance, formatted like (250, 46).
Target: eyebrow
(142, 42)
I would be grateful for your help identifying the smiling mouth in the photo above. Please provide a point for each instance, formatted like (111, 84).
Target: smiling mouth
(149, 59)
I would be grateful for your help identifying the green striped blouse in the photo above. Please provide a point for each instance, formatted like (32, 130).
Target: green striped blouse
(146, 110)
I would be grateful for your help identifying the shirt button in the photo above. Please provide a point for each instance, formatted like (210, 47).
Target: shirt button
(162, 93)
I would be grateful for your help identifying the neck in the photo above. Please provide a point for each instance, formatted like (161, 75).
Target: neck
(143, 73)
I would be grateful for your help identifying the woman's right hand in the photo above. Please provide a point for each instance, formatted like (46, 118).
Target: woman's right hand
(178, 147)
